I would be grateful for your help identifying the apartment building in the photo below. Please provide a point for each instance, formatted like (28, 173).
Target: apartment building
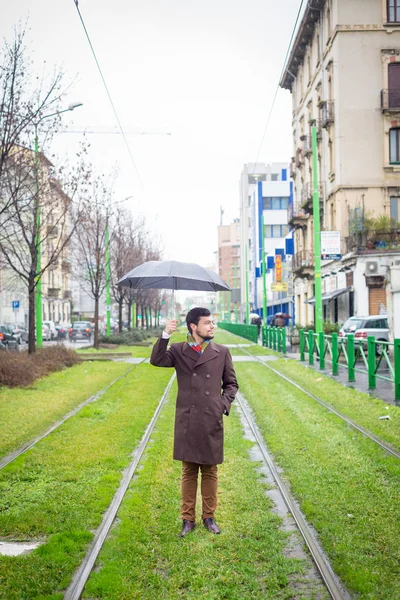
(343, 72)
(228, 260)
(265, 192)
(56, 294)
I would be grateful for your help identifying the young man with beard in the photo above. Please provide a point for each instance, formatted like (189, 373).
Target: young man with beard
(206, 389)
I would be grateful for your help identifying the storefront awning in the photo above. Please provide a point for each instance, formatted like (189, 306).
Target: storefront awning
(330, 295)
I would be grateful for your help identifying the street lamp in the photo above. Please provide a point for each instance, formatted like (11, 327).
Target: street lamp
(108, 267)
(38, 289)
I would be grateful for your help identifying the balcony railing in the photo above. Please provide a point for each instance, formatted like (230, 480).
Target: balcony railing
(307, 195)
(292, 168)
(390, 99)
(67, 294)
(54, 265)
(295, 211)
(53, 292)
(373, 241)
(307, 145)
(327, 113)
(66, 266)
(303, 260)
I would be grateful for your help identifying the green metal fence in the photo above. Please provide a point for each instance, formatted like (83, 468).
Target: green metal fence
(274, 338)
(250, 332)
(353, 355)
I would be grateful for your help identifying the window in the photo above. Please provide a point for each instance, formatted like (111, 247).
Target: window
(394, 145)
(394, 208)
(276, 231)
(274, 177)
(276, 203)
(393, 11)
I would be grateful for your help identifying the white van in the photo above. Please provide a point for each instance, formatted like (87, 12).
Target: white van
(52, 328)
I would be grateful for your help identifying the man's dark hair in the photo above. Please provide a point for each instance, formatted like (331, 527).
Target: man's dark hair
(194, 315)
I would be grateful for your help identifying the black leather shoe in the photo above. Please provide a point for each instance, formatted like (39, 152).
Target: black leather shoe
(187, 527)
(211, 525)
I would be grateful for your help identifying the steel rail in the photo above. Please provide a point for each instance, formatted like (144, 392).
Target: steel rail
(324, 569)
(81, 576)
(9, 458)
(387, 447)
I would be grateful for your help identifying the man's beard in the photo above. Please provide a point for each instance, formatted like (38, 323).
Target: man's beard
(208, 338)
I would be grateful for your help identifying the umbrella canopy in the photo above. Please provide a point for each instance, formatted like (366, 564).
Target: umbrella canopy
(283, 315)
(173, 275)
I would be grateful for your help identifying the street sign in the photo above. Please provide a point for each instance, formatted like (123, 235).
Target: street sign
(278, 268)
(279, 287)
(330, 245)
(15, 304)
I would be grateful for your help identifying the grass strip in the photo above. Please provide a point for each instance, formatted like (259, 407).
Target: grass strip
(347, 487)
(59, 490)
(25, 413)
(362, 408)
(144, 557)
(136, 351)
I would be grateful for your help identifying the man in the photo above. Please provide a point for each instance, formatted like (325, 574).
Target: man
(206, 388)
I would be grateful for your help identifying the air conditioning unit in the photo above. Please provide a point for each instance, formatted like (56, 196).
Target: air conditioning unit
(371, 267)
(396, 263)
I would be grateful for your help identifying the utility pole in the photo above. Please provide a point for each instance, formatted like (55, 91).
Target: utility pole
(317, 236)
(264, 273)
(108, 281)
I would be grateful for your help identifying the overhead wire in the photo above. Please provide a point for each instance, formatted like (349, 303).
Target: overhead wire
(108, 93)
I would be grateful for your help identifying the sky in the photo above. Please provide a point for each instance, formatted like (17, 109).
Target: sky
(205, 72)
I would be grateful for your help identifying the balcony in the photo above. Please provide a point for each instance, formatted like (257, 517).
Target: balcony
(52, 231)
(327, 113)
(54, 265)
(292, 168)
(307, 196)
(67, 295)
(303, 264)
(390, 100)
(53, 293)
(297, 217)
(299, 157)
(372, 241)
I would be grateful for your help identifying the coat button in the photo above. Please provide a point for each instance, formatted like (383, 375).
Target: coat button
(194, 374)
(208, 375)
(193, 391)
(207, 393)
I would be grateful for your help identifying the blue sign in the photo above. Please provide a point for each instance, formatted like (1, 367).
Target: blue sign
(15, 304)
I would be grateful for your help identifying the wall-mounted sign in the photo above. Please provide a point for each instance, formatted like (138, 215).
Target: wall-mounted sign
(278, 268)
(330, 245)
(279, 287)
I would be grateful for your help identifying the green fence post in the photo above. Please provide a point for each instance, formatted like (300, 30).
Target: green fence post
(310, 347)
(335, 354)
(274, 337)
(371, 363)
(284, 347)
(279, 339)
(396, 350)
(321, 344)
(350, 358)
(302, 345)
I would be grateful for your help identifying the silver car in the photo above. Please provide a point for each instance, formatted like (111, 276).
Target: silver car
(364, 327)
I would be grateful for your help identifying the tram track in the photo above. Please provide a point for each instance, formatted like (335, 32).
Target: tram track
(384, 445)
(77, 586)
(322, 565)
(9, 458)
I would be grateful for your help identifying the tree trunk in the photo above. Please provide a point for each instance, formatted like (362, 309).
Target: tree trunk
(120, 303)
(96, 323)
(31, 317)
(129, 304)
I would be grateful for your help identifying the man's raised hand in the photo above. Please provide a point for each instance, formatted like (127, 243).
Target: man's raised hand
(171, 326)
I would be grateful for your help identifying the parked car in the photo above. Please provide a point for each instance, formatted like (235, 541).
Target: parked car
(46, 335)
(52, 328)
(364, 327)
(19, 331)
(7, 338)
(81, 330)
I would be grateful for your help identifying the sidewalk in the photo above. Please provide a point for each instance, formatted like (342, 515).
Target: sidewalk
(384, 389)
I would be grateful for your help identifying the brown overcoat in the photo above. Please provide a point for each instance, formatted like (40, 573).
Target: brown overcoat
(206, 388)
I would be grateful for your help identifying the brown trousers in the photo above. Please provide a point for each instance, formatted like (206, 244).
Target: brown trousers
(209, 484)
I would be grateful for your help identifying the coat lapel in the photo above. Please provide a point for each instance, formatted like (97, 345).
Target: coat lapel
(210, 352)
(187, 351)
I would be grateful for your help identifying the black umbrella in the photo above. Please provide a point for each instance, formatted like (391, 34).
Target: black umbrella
(173, 275)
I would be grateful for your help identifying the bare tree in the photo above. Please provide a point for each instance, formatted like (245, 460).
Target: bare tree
(90, 244)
